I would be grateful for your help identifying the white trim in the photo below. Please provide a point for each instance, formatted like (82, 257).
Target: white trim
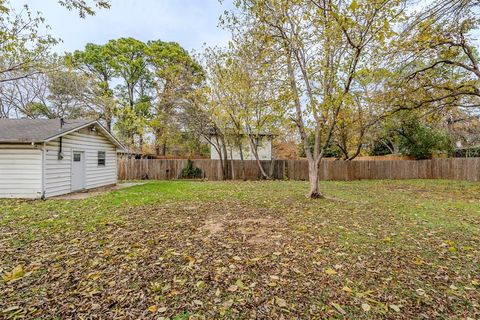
(84, 163)
(104, 158)
(44, 168)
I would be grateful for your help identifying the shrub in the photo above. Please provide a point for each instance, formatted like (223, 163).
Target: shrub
(379, 148)
(419, 141)
(412, 137)
(191, 172)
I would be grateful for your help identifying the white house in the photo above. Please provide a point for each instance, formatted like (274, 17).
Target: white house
(264, 149)
(42, 158)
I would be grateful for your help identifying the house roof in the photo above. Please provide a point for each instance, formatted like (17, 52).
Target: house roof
(44, 130)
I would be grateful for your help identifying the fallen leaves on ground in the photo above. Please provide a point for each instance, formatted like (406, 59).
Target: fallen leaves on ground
(188, 250)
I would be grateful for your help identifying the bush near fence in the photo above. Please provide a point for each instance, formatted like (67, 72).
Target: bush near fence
(167, 169)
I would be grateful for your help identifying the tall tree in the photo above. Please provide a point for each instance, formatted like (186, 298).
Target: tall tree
(129, 62)
(249, 98)
(175, 75)
(68, 95)
(199, 122)
(85, 7)
(225, 110)
(322, 44)
(96, 62)
(24, 46)
(25, 53)
(357, 120)
(440, 60)
(17, 97)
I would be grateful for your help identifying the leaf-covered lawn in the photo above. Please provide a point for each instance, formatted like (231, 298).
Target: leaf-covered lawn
(246, 250)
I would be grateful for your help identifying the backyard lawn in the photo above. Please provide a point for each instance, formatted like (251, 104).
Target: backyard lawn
(243, 250)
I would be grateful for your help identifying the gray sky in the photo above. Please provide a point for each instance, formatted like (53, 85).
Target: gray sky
(188, 22)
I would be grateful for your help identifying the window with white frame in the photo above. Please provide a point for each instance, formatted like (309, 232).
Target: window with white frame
(101, 158)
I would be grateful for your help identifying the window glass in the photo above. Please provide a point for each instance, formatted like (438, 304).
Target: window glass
(101, 158)
(77, 157)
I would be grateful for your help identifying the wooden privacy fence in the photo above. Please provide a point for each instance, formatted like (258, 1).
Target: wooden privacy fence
(167, 169)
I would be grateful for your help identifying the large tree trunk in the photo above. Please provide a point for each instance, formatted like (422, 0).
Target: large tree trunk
(315, 157)
(108, 121)
(225, 157)
(161, 149)
(253, 146)
(314, 192)
(271, 170)
(233, 168)
(242, 162)
(222, 166)
(108, 110)
(164, 149)
(221, 151)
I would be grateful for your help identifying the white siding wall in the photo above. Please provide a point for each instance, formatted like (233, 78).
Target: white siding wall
(58, 172)
(20, 171)
(264, 151)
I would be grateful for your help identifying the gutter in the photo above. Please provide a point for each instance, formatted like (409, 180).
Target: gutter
(20, 142)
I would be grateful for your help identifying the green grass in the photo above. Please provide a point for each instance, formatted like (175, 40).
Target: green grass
(240, 250)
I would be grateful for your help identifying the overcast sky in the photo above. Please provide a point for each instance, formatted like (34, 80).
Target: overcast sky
(188, 22)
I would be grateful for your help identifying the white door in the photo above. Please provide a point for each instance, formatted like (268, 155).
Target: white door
(78, 170)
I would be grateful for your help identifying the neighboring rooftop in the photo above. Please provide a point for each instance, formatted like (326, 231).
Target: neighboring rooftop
(36, 130)
(231, 132)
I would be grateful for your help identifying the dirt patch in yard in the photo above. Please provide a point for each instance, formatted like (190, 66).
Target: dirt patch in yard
(255, 231)
(213, 227)
(259, 231)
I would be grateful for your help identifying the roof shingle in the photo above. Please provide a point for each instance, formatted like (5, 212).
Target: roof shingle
(35, 130)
